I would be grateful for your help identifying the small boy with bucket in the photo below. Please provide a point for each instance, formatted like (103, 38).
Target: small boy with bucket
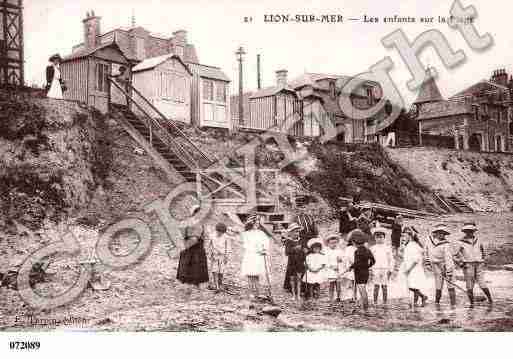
(470, 255)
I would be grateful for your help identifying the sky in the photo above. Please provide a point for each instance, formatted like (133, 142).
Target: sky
(217, 29)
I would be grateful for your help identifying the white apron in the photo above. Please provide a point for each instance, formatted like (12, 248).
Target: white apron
(254, 242)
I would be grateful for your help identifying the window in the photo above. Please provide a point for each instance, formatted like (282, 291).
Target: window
(102, 73)
(220, 92)
(173, 87)
(208, 90)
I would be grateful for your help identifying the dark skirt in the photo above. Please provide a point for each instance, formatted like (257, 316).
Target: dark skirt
(192, 266)
(361, 276)
(295, 265)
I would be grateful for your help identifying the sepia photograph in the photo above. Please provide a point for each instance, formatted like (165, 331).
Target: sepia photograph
(255, 167)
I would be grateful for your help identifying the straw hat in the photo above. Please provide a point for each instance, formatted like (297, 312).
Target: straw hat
(441, 228)
(252, 218)
(357, 236)
(332, 236)
(293, 227)
(378, 229)
(313, 241)
(469, 226)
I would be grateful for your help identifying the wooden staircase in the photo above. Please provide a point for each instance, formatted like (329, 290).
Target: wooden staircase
(459, 205)
(164, 150)
(453, 204)
(215, 182)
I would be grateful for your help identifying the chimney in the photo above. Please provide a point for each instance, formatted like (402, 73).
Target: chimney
(500, 77)
(180, 37)
(92, 30)
(281, 78)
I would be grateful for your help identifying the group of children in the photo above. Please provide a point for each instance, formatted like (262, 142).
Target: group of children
(365, 258)
(316, 262)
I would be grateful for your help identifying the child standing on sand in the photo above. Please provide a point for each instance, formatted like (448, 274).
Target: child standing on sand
(382, 270)
(315, 266)
(363, 261)
(334, 259)
(219, 249)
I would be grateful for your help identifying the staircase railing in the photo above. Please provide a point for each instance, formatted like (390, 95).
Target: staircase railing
(155, 126)
(170, 123)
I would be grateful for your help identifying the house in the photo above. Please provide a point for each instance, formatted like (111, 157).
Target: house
(207, 87)
(11, 43)
(165, 81)
(210, 105)
(136, 42)
(316, 103)
(477, 118)
(275, 108)
(86, 75)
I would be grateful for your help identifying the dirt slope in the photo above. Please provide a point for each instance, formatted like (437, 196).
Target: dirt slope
(482, 180)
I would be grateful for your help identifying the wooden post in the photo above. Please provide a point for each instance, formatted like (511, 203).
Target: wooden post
(259, 74)
(240, 53)
(420, 133)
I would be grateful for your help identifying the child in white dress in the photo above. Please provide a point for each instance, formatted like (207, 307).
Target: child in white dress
(334, 259)
(315, 266)
(256, 245)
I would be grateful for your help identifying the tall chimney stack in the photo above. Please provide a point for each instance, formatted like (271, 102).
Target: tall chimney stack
(281, 78)
(92, 30)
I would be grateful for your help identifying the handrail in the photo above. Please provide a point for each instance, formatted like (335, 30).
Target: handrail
(189, 161)
(170, 123)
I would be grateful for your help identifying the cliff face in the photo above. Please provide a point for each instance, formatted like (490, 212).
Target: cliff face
(482, 180)
(53, 154)
(340, 169)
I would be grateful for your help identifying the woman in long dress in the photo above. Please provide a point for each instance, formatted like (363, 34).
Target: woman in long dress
(413, 265)
(54, 82)
(192, 265)
(255, 246)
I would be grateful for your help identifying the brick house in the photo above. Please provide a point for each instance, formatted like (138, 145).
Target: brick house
(477, 118)
(137, 43)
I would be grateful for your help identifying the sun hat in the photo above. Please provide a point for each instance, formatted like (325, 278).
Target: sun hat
(313, 241)
(469, 226)
(55, 57)
(293, 226)
(378, 229)
(441, 228)
(252, 218)
(357, 236)
(332, 236)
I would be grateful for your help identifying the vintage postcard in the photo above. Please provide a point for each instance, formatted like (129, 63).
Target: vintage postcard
(255, 166)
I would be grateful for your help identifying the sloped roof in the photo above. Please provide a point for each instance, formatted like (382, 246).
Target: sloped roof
(210, 72)
(429, 91)
(271, 91)
(310, 78)
(85, 53)
(483, 85)
(153, 62)
(443, 109)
